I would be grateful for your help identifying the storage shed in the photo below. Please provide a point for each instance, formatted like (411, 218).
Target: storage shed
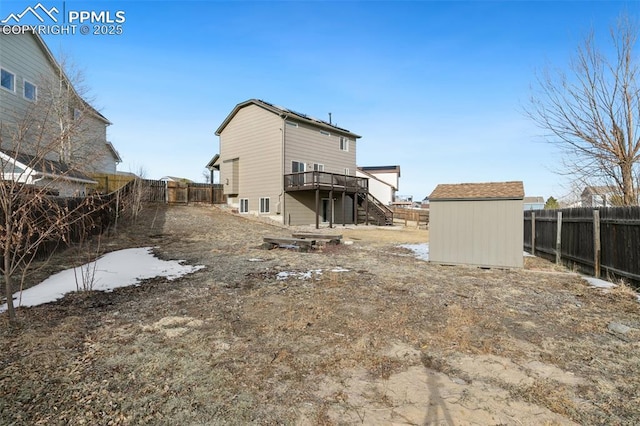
(477, 224)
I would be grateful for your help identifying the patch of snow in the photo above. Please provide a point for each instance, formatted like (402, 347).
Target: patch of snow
(420, 251)
(120, 268)
(284, 275)
(596, 282)
(527, 254)
(256, 259)
(339, 269)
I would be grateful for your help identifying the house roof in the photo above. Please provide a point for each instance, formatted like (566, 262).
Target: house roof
(285, 113)
(532, 200)
(381, 169)
(599, 190)
(48, 168)
(54, 63)
(479, 191)
(374, 177)
(213, 164)
(114, 152)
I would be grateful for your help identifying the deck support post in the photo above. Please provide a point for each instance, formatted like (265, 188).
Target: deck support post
(317, 208)
(344, 208)
(331, 208)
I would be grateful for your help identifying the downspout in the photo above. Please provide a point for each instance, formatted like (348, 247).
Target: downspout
(282, 167)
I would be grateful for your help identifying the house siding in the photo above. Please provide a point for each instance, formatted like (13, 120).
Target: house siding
(476, 232)
(306, 144)
(23, 55)
(254, 141)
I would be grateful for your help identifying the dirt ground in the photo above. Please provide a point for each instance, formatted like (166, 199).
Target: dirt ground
(361, 333)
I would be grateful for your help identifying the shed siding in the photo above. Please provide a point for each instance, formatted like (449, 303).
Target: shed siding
(477, 232)
(254, 138)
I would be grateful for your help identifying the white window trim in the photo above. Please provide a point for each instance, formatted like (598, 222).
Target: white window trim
(344, 144)
(24, 90)
(262, 200)
(15, 82)
(242, 201)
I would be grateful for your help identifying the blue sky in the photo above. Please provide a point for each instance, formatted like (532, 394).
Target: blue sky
(435, 87)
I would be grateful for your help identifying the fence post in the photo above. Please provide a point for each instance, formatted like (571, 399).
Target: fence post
(559, 239)
(596, 243)
(533, 233)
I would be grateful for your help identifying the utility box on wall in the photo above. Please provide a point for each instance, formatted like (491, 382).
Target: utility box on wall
(477, 224)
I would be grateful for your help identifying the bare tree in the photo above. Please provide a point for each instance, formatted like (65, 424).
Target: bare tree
(43, 154)
(593, 112)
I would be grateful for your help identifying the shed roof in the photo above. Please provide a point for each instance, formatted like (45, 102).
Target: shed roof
(479, 191)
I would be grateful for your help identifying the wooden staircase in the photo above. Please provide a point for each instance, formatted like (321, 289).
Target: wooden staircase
(372, 211)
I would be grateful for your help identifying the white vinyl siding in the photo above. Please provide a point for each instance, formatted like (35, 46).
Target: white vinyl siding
(244, 205)
(264, 205)
(7, 80)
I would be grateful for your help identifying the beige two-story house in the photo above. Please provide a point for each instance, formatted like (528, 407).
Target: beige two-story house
(49, 133)
(291, 167)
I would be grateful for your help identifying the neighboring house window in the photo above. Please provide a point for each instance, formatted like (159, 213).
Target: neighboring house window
(244, 205)
(7, 80)
(77, 114)
(264, 205)
(318, 167)
(291, 123)
(30, 91)
(344, 144)
(323, 132)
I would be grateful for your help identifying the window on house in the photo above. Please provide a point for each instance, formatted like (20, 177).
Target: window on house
(30, 91)
(344, 144)
(291, 123)
(77, 114)
(318, 167)
(347, 172)
(324, 132)
(244, 205)
(264, 205)
(7, 80)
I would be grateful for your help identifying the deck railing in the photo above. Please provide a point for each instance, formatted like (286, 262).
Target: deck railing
(324, 180)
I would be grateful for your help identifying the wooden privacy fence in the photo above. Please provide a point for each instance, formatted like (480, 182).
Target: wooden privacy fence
(159, 191)
(419, 216)
(603, 241)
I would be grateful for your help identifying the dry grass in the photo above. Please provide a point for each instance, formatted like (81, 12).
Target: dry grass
(232, 344)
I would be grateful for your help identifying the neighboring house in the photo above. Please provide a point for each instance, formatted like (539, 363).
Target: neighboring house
(533, 203)
(294, 168)
(598, 196)
(384, 182)
(175, 179)
(29, 72)
(24, 168)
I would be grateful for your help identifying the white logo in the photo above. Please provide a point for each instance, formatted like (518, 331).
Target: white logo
(34, 11)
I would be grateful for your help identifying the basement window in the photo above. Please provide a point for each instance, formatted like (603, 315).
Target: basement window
(264, 205)
(244, 205)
